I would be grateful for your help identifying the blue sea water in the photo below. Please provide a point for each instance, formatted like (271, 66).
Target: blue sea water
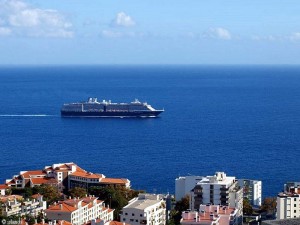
(243, 120)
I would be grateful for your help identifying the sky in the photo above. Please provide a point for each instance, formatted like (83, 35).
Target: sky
(38, 32)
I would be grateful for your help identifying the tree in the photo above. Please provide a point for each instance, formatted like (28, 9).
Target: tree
(50, 193)
(269, 205)
(77, 192)
(115, 196)
(247, 208)
(180, 206)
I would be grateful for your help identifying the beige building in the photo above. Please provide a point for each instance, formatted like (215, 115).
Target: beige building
(79, 211)
(147, 209)
(16, 205)
(288, 205)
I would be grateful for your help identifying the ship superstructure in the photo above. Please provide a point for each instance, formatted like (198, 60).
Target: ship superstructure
(93, 108)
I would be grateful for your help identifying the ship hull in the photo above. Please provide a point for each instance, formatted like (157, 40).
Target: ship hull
(111, 114)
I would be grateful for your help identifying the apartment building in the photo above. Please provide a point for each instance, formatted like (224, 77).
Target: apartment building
(16, 205)
(252, 190)
(86, 180)
(183, 185)
(63, 176)
(219, 189)
(210, 215)
(79, 211)
(146, 209)
(288, 205)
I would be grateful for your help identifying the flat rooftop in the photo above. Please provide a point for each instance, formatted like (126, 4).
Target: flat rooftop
(295, 221)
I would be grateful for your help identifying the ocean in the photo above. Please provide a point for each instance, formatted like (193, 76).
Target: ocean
(243, 120)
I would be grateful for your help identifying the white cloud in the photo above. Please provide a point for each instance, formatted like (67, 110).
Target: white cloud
(270, 38)
(4, 31)
(218, 33)
(109, 33)
(123, 20)
(25, 20)
(295, 36)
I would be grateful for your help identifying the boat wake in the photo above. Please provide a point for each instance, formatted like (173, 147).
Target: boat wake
(25, 115)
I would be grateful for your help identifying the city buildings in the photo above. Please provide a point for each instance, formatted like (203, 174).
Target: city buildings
(79, 211)
(183, 185)
(210, 215)
(288, 205)
(219, 189)
(252, 190)
(86, 180)
(63, 176)
(16, 205)
(3, 188)
(146, 209)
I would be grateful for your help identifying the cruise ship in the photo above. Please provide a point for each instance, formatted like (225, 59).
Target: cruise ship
(93, 108)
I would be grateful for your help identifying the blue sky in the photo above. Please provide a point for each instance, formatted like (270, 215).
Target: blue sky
(149, 32)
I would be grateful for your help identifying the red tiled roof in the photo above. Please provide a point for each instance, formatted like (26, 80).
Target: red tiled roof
(29, 174)
(87, 175)
(113, 181)
(43, 181)
(10, 198)
(117, 223)
(61, 207)
(3, 186)
(36, 196)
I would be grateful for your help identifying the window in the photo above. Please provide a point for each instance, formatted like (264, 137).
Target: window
(131, 220)
(124, 219)
(132, 214)
(126, 214)
(141, 215)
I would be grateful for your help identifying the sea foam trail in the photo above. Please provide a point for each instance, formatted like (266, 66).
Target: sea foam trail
(25, 115)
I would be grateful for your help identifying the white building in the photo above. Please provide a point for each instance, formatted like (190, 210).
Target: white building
(252, 190)
(183, 185)
(63, 176)
(79, 211)
(16, 205)
(218, 190)
(3, 188)
(288, 204)
(146, 209)
(210, 215)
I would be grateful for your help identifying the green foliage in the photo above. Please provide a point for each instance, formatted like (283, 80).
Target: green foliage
(30, 219)
(50, 193)
(8, 191)
(25, 192)
(77, 192)
(175, 214)
(269, 205)
(115, 196)
(247, 208)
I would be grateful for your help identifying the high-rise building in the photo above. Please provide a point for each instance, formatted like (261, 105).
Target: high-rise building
(218, 190)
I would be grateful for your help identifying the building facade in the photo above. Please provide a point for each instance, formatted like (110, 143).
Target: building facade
(218, 190)
(146, 209)
(79, 211)
(252, 190)
(183, 185)
(63, 176)
(288, 205)
(16, 205)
